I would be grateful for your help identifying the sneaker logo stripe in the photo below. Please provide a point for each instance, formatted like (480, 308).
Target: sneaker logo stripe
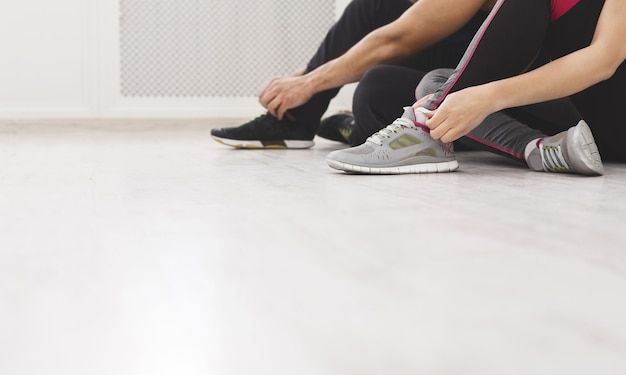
(405, 140)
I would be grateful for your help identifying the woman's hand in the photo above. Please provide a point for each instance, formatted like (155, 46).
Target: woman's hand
(283, 93)
(459, 114)
(422, 101)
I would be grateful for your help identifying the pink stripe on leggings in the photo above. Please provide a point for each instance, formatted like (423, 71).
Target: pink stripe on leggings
(473, 47)
(494, 146)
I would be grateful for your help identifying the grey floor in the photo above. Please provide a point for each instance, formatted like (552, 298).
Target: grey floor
(143, 247)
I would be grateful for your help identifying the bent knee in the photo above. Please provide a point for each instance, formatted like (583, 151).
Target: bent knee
(432, 81)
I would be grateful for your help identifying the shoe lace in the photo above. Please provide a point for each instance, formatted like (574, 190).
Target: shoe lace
(264, 119)
(391, 129)
(552, 158)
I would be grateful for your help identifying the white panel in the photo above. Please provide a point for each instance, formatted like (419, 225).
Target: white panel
(219, 55)
(189, 48)
(149, 58)
(42, 68)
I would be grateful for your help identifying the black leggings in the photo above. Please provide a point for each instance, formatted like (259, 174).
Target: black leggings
(359, 19)
(508, 42)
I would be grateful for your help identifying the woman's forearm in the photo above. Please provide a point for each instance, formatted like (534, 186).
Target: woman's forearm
(572, 73)
(560, 78)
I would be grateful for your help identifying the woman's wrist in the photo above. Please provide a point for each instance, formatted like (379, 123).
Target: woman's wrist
(493, 98)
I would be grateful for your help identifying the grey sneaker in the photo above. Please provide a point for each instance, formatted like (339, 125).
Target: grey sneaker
(405, 146)
(573, 150)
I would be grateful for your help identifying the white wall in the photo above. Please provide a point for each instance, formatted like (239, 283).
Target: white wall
(46, 64)
(61, 59)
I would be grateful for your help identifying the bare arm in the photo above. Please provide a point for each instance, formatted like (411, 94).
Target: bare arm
(562, 77)
(423, 24)
(574, 72)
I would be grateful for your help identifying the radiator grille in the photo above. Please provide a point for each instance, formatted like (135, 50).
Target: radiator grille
(209, 48)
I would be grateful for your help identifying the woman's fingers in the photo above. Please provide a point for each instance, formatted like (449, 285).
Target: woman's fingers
(421, 102)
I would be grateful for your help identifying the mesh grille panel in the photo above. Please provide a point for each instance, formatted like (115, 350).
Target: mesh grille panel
(211, 48)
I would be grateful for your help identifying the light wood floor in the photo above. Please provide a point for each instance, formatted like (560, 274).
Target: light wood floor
(144, 247)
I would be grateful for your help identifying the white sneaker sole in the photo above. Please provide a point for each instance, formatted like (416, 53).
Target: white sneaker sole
(282, 144)
(443, 167)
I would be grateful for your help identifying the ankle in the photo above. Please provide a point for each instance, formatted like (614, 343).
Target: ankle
(532, 155)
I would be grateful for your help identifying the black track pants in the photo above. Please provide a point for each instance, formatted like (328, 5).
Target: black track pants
(359, 19)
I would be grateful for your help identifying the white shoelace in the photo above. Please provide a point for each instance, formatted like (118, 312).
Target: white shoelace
(393, 128)
(552, 159)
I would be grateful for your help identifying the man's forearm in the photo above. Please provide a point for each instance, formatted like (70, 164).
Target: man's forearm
(373, 50)
(423, 24)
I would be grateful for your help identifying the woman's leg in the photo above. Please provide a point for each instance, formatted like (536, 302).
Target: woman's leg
(507, 44)
(602, 104)
(602, 107)
(506, 132)
(571, 150)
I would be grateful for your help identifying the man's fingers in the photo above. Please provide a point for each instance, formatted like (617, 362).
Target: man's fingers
(280, 112)
(267, 88)
(272, 106)
(265, 100)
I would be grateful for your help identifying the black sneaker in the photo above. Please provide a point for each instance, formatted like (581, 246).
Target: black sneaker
(266, 131)
(337, 127)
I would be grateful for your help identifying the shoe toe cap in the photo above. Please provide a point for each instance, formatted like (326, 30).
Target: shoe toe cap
(351, 155)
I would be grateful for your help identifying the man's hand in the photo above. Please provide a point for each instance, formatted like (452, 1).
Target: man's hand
(283, 93)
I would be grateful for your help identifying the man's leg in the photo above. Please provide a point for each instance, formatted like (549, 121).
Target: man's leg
(300, 125)
(379, 97)
(358, 19)
(381, 93)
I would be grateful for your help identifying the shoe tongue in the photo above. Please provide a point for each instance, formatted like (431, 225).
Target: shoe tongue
(417, 118)
(409, 114)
